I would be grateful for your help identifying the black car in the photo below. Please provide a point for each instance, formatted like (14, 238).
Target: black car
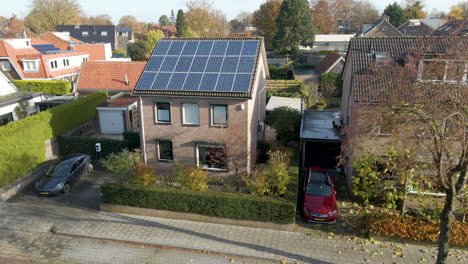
(63, 174)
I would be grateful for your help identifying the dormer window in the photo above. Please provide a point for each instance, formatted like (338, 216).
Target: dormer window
(85, 33)
(103, 33)
(53, 64)
(27, 43)
(443, 70)
(30, 65)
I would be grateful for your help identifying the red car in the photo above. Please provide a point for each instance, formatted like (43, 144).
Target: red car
(319, 197)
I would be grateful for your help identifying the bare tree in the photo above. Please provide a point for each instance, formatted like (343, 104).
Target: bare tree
(426, 98)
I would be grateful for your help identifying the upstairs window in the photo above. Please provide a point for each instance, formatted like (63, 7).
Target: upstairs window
(53, 64)
(5, 66)
(85, 33)
(66, 63)
(190, 114)
(30, 66)
(104, 33)
(163, 112)
(218, 115)
(443, 70)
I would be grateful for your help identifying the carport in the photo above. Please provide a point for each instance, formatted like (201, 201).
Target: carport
(320, 139)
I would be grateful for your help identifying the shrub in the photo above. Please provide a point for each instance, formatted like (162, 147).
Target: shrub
(331, 84)
(414, 228)
(286, 121)
(123, 163)
(86, 145)
(23, 146)
(281, 73)
(133, 139)
(195, 179)
(278, 170)
(44, 86)
(120, 51)
(144, 174)
(218, 204)
(257, 183)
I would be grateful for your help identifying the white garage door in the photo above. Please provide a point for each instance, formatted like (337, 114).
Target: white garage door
(111, 122)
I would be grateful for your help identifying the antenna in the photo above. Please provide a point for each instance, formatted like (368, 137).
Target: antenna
(126, 80)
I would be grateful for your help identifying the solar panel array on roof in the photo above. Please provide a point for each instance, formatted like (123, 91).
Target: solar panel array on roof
(46, 48)
(201, 65)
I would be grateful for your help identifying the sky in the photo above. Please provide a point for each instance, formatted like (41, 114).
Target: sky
(151, 10)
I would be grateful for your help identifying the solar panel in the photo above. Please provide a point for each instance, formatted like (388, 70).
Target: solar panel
(46, 48)
(201, 65)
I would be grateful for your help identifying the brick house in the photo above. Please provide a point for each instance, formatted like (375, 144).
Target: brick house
(363, 90)
(202, 103)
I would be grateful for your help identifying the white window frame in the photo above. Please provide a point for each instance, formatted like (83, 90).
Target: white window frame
(157, 116)
(103, 33)
(5, 66)
(53, 64)
(31, 65)
(212, 115)
(158, 150)
(84, 33)
(444, 79)
(66, 62)
(184, 122)
(197, 150)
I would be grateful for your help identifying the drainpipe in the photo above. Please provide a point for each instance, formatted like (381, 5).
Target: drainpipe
(142, 128)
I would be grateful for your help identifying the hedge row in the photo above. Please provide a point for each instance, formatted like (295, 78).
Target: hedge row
(414, 228)
(218, 204)
(133, 139)
(86, 145)
(49, 87)
(23, 146)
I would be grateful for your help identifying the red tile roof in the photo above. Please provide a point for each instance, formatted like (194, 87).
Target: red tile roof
(327, 62)
(121, 102)
(109, 75)
(95, 51)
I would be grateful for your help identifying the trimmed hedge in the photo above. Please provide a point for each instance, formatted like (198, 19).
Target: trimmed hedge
(133, 139)
(218, 204)
(414, 228)
(45, 86)
(23, 147)
(86, 145)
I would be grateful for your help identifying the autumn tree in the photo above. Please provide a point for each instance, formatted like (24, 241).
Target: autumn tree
(205, 20)
(363, 12)
(425, 101)
(131, 21)
(102, 19)
(46, 15)
(396, 14)
(163, 20)
(323, 21)
(265, 20)
(294, 24)
(414, 9)
(459, 11)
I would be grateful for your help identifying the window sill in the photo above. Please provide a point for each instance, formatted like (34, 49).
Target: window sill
(165, 160)
(162, 123)
(219, 126)
(190, 125)
(215, 169)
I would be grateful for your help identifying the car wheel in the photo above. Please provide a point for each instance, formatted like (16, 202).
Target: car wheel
(66, 188)
(90, 168)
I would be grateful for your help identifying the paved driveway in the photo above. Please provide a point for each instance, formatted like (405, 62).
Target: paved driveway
(85, 193)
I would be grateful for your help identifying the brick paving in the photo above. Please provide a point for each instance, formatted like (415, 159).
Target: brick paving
(317, 247)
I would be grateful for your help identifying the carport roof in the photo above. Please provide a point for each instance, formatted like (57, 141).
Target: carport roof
(318, 126)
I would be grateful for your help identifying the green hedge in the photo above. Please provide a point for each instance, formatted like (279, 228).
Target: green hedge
(218, 204)
(86, 145)
(48, 87)
(23, 146)
(133, 139)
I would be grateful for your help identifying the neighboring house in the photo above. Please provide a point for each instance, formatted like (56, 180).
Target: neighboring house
(124, 36)
(36, 59)
(333, 62)
(169, 31)
(91, 33)
(335, 42)
(421, 27)
(10, 98)
(360, 86)
(246, 29)
(380, 28)
(456, 27)
(345, 26)
(113, 77)
(201, 99)
(96, 51)
(12, 28)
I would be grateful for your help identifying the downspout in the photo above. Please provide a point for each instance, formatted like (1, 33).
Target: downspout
(142, 128)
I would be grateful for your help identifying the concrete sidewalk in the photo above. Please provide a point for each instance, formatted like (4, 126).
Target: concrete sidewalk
(317, 247)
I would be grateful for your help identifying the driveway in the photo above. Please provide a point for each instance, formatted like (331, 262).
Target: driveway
(85, 193)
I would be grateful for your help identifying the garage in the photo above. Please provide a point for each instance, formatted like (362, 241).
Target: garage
(118, 116)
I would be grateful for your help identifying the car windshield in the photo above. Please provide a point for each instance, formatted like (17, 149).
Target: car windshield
(60, 169)
(318, 189)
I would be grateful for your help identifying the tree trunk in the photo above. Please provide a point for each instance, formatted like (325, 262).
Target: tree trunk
(445, 226)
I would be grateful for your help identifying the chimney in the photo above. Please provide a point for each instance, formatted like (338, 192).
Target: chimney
(126, 80)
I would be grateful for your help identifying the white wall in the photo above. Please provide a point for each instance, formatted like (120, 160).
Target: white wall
(6, 87)
(11, 108)
(19, 43)
(74, 61)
